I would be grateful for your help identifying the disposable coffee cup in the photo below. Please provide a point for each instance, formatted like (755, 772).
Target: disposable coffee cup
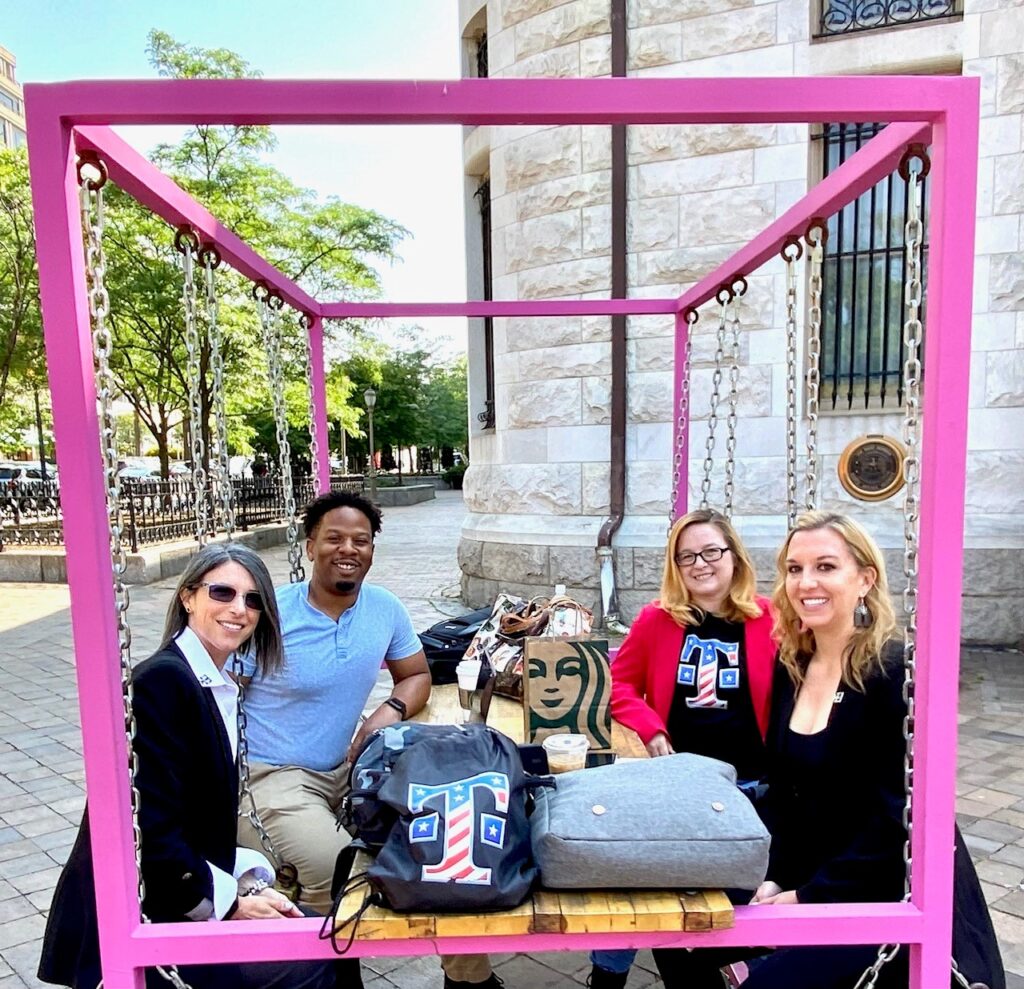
(566, 752)
(468, 672)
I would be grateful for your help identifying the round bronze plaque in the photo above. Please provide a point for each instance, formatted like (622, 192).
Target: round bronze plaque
(871, 467)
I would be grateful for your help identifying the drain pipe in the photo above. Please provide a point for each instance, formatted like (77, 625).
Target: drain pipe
(617, 459)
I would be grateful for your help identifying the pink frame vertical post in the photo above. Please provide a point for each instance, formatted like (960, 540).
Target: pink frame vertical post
(319, 387)
(75, 116)
(62, 289)
(943, 478)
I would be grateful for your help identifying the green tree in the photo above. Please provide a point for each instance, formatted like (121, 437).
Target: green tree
(444, 422)
(397, 377)
(326, 246)
(420, 401)
(21, 342)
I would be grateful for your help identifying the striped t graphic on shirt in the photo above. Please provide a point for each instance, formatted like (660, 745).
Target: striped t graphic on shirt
(708, 664)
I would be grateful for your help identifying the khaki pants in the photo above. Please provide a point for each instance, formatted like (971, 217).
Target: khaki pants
(299, 808)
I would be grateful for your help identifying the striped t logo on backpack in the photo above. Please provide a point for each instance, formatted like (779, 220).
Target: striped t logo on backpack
(462, 827)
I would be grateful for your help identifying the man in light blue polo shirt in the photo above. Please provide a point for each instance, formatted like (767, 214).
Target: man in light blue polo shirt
(302, 721)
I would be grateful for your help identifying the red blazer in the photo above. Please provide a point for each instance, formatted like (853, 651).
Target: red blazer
(644, 670)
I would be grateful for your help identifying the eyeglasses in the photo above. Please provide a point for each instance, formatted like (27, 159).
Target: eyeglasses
(225, 594)
(710, 555)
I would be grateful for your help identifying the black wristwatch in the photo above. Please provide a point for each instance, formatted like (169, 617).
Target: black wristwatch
(398, 704)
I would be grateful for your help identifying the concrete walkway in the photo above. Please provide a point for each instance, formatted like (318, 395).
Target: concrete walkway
(41, 789)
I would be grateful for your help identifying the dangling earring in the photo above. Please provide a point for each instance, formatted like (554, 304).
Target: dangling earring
(861, 615)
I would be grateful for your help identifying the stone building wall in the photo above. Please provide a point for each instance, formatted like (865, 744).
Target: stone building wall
(538, 485)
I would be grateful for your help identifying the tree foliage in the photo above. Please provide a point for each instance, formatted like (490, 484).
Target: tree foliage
(421, 399)
(21, 342)
(328, 246)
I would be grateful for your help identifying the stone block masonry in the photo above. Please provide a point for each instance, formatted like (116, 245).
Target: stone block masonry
(540, 479)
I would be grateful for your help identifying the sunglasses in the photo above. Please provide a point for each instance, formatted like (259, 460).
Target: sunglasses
(225, 594)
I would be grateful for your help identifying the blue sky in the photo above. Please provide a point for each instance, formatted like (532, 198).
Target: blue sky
(413, 175)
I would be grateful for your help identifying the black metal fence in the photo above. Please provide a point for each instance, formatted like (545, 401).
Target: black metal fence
(30, 513)
(841, 17)
(154, 511)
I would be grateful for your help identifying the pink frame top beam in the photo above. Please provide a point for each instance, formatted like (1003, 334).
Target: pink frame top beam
(498, 101)
(509, 307)
(142, 179)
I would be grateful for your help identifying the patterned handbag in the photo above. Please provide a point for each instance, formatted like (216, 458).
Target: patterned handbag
(500, 638)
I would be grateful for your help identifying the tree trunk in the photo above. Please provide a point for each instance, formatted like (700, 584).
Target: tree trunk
(162, 436)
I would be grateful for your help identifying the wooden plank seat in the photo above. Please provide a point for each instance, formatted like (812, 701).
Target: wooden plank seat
(546, 911)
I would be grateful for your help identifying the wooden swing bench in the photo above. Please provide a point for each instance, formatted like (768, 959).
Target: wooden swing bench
(546, 911)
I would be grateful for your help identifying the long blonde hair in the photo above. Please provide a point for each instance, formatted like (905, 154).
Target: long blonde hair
(740, 603)
(863, 653)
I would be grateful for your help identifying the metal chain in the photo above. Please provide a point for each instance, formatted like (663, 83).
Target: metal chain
(99, 309)
(869, 979)
(817, 254)
(912, 334)
(91, 197)
(791, 253)
(245, 794)
(961, 980)
(733, 405)
(305, 326)
(269, 306)
(682, 417)
(716, 385)
(220, 462)
(272, 344)
(187, 243)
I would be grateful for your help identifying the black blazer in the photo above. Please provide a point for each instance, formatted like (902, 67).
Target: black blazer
(838, 836)
(188, 802)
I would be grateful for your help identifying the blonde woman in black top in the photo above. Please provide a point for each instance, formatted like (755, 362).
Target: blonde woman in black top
(835, 768)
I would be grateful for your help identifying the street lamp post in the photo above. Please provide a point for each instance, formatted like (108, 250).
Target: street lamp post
(371, 400)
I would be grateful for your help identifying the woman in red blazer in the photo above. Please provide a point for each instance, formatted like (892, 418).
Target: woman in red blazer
(695, 672)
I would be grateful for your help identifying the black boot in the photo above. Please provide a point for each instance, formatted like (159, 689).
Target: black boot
(347, 973)
(601, 978)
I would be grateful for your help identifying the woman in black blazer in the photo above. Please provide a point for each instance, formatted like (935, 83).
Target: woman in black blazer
(185, 706)
(836, 785)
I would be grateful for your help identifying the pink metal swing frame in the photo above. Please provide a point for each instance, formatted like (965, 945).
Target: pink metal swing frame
(68, 118)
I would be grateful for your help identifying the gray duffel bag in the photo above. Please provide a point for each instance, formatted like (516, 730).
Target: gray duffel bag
(675, 822)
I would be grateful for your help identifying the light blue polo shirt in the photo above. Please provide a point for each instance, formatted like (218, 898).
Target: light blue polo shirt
(306, 714)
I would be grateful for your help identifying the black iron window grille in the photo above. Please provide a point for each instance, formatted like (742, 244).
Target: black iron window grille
(481, 56)
(483, 196)
(863, 284)
(841, 17)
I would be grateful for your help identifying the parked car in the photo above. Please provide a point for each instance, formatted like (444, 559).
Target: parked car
(138, 472)
(27, 472)
(22, 485)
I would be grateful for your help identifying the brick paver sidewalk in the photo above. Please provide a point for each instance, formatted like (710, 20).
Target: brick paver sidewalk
(41, 794)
